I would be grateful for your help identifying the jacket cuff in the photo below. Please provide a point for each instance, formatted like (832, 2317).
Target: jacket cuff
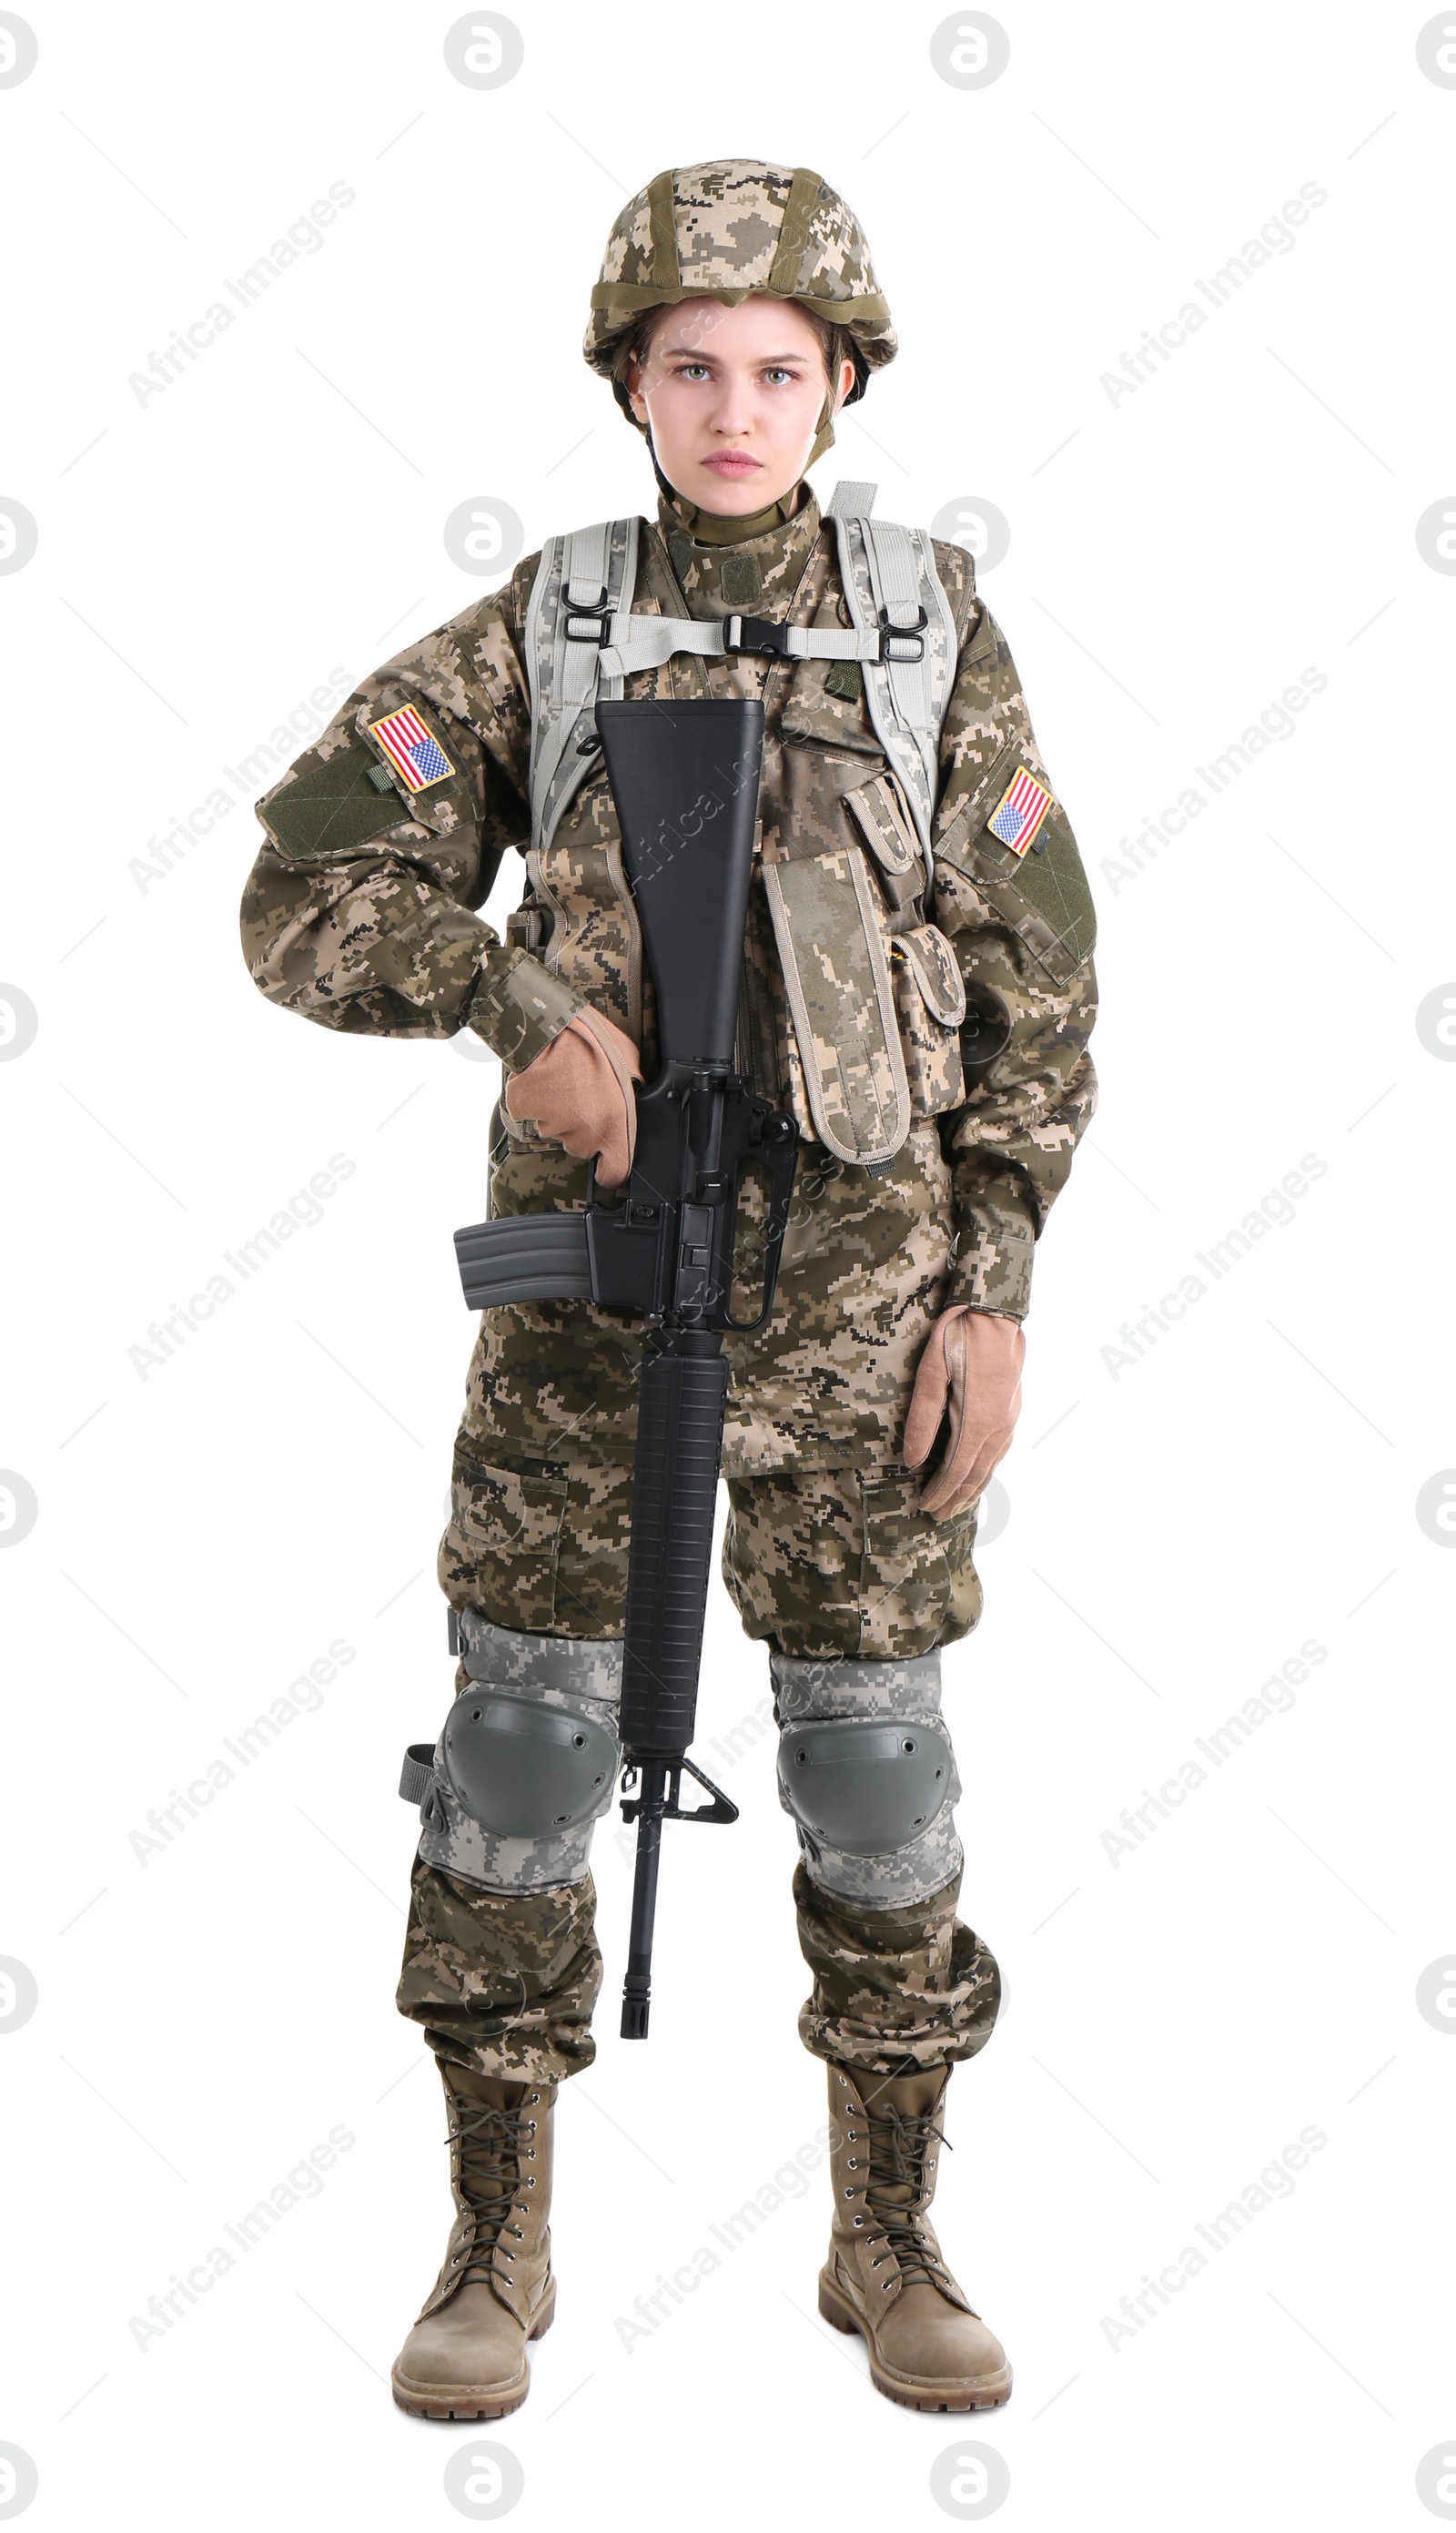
(995, 1244)
(520, 1007)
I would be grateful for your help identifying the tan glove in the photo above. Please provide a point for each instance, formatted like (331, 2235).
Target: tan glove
(579, 1092)
(972, 1372)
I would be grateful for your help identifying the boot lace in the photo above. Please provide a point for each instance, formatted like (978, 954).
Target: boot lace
(898, 2144)
(490, 2144)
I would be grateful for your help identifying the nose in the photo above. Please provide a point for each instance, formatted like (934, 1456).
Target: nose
(732, 408)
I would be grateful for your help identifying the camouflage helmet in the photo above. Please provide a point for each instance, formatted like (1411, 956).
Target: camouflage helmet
(724, 230)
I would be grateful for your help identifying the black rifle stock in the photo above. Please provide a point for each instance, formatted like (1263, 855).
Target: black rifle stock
(685, 776)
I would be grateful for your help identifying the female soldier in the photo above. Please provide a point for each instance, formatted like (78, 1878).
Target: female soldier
(918, 989)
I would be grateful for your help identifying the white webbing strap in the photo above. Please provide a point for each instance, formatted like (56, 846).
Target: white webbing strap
(582, 640)
(646, 641)
(893, 589)
(583, 583)
(896, 578)
(584, 593)
(852, 501)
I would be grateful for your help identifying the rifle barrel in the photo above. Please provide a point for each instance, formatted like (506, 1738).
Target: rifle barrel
(637, 1985)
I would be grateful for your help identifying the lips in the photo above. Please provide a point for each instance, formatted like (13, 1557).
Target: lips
(733, 465)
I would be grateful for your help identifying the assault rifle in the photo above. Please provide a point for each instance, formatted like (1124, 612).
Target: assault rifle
(685, 776)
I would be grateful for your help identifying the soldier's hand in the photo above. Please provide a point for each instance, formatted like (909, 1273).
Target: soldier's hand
(971, 1373)
(579, 1092)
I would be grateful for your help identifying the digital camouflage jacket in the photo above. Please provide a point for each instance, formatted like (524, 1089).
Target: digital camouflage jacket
(360, 909)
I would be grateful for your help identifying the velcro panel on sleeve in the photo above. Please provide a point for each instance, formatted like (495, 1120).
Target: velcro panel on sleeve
(334, 806)
(1043, 894)
(1054, 884)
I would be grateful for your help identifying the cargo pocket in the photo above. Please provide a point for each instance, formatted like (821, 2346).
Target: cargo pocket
(594, 1543)
(930, 1006)
(919, 1587)
(1040, 892)
(501, 1546)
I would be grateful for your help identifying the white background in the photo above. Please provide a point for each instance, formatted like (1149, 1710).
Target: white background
(1177, 1527)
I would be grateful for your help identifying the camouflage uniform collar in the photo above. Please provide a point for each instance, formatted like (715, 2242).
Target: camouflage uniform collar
(757, 574)
(711, 528)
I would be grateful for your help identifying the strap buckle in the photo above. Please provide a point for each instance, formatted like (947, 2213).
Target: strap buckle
(890, 633)
(589, 620)
(757, 635)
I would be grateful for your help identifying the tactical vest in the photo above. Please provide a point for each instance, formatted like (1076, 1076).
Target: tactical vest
(875, 997)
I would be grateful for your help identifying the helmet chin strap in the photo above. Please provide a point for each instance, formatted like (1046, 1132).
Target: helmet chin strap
(669, 491)
(823, 437)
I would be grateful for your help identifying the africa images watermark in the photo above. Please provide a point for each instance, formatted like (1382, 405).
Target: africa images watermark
(305, 237)
(1276, 237)
(1276, 2181)
(254, 773)
(303, 1696)
(788, 2182)
(1275, 723)
(304, 1209)
(1273, 1696)
(304, 2181)
(1276, 1210)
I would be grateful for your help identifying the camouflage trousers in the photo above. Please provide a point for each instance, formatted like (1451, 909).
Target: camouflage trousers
(826, 1555)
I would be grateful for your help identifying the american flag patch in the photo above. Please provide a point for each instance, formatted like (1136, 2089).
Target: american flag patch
(1020, 813)
(410, 749)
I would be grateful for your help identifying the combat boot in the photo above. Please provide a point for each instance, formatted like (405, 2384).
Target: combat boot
(885, 2276)
(466, 2356)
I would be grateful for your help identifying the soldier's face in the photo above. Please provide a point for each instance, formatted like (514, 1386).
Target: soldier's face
(732, 399)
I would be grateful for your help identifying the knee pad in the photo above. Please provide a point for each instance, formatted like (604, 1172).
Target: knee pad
(867, 1774)
(527, 1762)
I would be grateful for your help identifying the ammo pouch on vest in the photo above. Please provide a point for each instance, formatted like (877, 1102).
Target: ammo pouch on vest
(874, 994)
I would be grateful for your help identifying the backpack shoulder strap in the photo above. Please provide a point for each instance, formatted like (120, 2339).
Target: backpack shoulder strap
(852, 501)
(893, 591)
(583, 581)
(582, 640)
